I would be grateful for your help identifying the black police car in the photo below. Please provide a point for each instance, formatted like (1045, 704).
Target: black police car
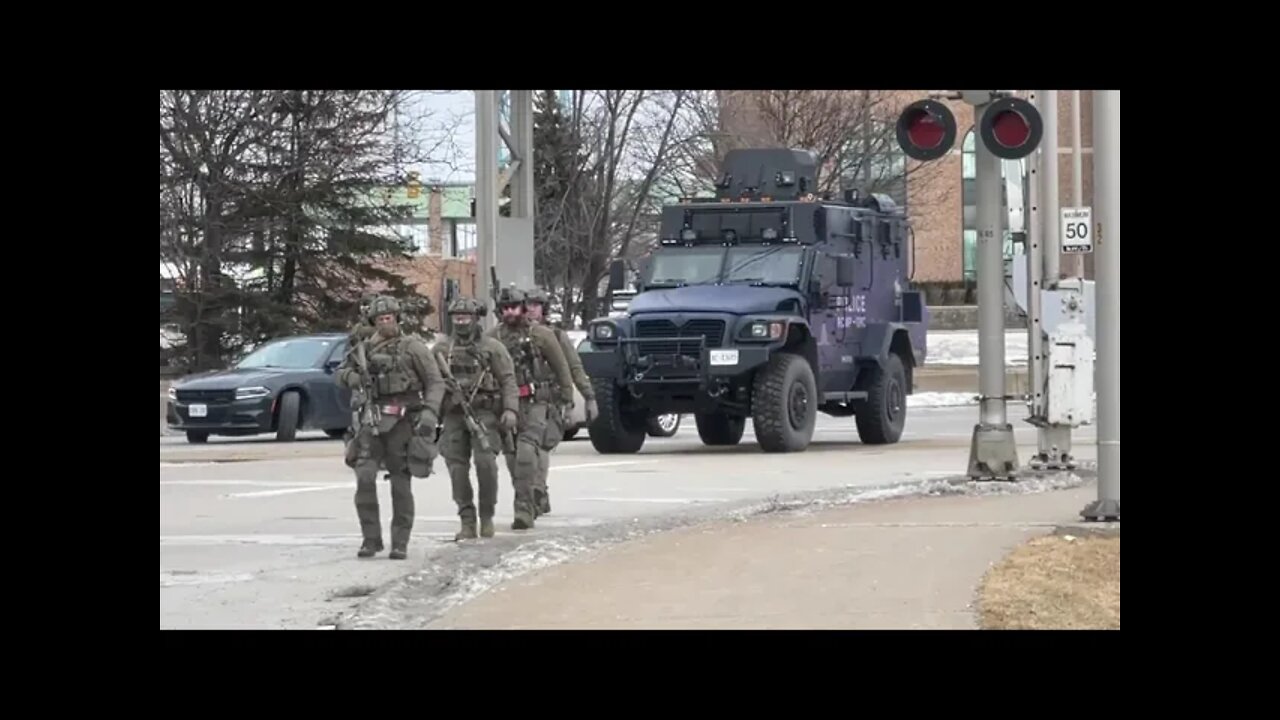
(283, 386)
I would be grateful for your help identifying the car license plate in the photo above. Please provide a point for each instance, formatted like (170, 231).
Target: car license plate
(198, 411)
(724, 357)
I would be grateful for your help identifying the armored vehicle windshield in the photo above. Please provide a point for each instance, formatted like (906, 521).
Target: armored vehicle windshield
(742, 264)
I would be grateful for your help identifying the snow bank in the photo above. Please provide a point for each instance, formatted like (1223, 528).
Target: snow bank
(941, 399)
(960, 347)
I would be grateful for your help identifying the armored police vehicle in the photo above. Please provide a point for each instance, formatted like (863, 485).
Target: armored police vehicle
(764, 302)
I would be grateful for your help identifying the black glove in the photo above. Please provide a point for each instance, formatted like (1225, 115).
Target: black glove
(427, 422)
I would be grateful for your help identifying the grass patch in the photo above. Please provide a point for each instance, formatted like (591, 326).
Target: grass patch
(1054, 583)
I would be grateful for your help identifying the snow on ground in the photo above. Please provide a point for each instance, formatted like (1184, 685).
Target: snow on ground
(941, 399)
(960, 347)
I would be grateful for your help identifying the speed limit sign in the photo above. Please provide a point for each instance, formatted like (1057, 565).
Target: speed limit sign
(1077, 230)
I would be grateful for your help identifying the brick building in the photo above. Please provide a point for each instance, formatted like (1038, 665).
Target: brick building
(939, 198)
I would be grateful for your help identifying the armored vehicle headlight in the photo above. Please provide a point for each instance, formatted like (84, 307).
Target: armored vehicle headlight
(771, 330)
(251, 393)
(604, 331)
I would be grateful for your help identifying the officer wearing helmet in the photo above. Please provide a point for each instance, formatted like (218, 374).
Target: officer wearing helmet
(535, 307)
(483, 377)
(544, 384)
(398, 376)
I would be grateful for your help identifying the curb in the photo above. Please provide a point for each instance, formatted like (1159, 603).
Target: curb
(459, 572)
(1088, 529)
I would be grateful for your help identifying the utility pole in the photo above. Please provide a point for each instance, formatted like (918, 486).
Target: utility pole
(1106, 197)
(504, 243)
(1073, 264)
(992, 452)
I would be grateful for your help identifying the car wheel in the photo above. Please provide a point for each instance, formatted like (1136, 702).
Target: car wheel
(663, 425)
(290, 413)
(197, 436)
(571, 433)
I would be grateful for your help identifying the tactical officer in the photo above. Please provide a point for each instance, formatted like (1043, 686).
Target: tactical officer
(543, 383)
(397, 389)
(535, 307)
(481, 383)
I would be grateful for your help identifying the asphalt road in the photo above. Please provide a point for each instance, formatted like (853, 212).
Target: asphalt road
(259, 534)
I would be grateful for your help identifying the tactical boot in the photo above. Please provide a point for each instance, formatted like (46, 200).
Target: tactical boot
(370, 547)
(486, 527)
(398, 552)
(468, 531)
(522, 522)
(544, 502)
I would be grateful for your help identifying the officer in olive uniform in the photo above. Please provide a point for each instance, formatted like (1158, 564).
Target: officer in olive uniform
(401, 381)
(485, 379)
(543, 383)
(535, 307)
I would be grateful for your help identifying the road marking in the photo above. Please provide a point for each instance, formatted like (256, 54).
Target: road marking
(602, 464)
(666, 501)
(179, 580)
(288, 491)
(251, 483)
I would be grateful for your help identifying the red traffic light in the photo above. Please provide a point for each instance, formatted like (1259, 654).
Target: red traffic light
(926, 130)
(1011, 128)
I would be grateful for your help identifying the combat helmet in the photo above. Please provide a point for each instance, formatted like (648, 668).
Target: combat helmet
(382, 305)
(537, 295)
(511, 296)
(467, 306)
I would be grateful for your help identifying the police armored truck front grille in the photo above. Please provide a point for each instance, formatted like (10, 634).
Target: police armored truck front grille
(670, 339)
(206, 396)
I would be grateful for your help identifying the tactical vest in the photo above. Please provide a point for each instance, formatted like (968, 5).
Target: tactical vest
(392, 372)
(467, 364)
(533, 372)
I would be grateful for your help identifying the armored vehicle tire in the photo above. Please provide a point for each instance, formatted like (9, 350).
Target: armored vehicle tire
(197, 436)
(784, 404)
(614, 432)
(883, 415)
(290, 413)
(720, 429)
(663, 425)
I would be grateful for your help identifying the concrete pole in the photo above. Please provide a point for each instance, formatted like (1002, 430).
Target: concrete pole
(1073, 265)
(1049, 198)
(1106, 201)
(486, 194)
(992, 452)
(1035, 281)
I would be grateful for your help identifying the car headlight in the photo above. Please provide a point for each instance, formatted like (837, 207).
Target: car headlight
(766, 330)
(252, 393)
(173, 394)
(604, 331)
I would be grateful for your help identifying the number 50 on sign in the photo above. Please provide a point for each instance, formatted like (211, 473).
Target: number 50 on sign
(1077, 230)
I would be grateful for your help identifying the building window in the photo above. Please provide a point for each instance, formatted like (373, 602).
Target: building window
(463, 239)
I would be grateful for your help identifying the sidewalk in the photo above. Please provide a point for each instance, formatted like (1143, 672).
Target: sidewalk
(909, 563)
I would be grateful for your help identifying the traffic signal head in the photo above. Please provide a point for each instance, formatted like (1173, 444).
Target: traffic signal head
(1011, 128)
(926, 130)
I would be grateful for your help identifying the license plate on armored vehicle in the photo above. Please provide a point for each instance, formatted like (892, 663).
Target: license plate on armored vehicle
(724, 357)
(198, 411)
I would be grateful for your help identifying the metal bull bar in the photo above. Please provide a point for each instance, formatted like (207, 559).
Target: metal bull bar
(689, 368)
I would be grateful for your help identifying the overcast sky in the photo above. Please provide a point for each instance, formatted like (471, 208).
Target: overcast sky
(442, 111)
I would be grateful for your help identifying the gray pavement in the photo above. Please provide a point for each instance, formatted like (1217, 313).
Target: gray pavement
(898, 564)
(255, 533)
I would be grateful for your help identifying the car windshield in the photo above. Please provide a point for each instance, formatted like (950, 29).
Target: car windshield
(292, 354)
(756, 264)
